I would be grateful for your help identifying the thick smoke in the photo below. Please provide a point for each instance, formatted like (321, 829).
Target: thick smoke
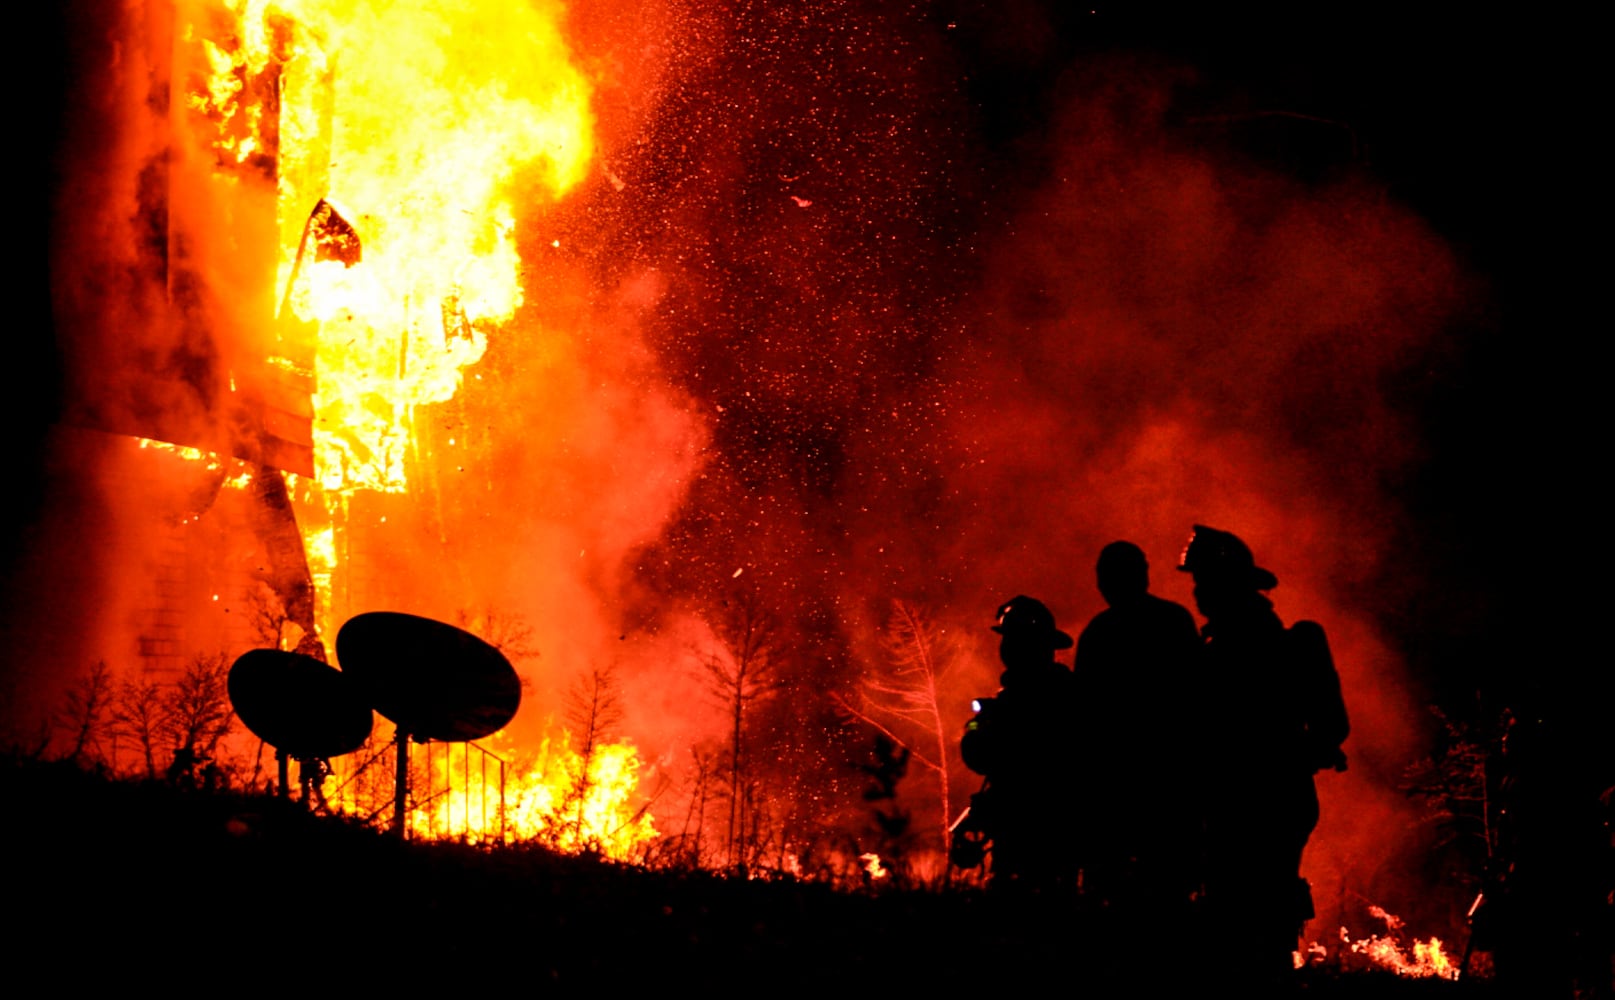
(937, 371)
(1169, 336)
(104, 259)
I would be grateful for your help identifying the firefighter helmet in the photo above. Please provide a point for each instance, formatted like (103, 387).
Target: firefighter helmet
(1026, 616)
(1222, 557)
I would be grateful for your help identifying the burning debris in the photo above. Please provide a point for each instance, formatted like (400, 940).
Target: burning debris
(1390, 949)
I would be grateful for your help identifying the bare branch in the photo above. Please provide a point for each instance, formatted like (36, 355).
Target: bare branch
(508, 633)
(196, 712)
(886, 731)
(86, 711)
(743, 670)
(901, 700)
(593, 707)
(139, 713)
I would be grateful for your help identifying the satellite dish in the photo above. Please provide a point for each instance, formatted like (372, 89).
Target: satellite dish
(437, 682)
(298, 705)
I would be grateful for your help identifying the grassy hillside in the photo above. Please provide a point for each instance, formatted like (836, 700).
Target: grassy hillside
(145, 883)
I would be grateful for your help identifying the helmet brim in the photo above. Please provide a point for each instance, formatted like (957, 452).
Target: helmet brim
(1057, 638)
(1256, 576)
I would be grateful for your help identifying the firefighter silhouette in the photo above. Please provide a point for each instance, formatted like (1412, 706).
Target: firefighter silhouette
(1134, 667)
(1271, 716)
(1021, 741)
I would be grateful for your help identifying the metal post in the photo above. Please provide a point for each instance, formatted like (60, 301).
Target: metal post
(401, 787)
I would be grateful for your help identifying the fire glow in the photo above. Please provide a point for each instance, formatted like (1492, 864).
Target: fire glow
(407, 280)
(1389, 950)
(494, 793)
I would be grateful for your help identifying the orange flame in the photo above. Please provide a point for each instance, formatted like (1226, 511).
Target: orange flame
(432, 115)
(574, 804)
(1419, 959)
(395, 135)
(558, 797)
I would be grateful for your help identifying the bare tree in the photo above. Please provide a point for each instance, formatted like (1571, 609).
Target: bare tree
(266, 615)
(695, 816)
(508, 633)
(196, 712)
(593, 711)
(87, 714)
(594, 708)
(139, 714)
(901, 700)
(742, 669)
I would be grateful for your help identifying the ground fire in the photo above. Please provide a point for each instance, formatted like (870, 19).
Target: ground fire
(1390, 950)
(498, 795)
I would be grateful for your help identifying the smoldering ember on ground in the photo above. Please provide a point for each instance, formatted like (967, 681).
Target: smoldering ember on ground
(657, 344)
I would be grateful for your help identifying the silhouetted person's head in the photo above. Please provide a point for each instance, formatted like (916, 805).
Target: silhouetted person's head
(1124, 573)
(1029, 635)
(1226, 576)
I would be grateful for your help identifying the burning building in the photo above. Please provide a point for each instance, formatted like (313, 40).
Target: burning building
(263, 382)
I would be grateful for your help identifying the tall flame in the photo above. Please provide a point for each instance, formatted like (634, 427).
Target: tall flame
(436, 114)
(395, 134)
(433, 113)
(406, 125)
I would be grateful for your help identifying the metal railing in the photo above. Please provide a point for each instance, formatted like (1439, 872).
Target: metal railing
(456, 791)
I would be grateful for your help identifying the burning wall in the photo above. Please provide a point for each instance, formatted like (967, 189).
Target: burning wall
(804, 326)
